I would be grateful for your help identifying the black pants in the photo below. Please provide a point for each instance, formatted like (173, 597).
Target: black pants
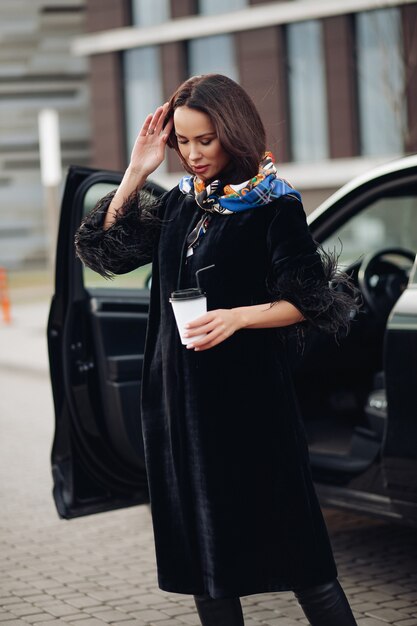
(324, 605)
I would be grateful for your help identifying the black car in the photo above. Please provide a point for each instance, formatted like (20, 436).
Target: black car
(358, 396)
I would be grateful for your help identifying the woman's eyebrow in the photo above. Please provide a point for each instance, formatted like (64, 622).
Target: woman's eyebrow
(197, 136)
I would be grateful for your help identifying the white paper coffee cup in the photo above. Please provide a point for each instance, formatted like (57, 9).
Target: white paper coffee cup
(188, 304)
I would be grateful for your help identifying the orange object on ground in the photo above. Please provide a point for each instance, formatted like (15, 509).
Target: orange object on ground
(4, 296)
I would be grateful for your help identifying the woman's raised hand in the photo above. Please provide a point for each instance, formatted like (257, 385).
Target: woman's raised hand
(148, 152)
(149, 149)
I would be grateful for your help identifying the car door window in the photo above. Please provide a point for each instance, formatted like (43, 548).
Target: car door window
(387, 222)
(138, 278)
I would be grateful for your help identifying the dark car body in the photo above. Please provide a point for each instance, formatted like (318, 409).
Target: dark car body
(357, 396)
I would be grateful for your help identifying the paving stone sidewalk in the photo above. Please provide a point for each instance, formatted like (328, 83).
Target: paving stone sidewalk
(101, 569)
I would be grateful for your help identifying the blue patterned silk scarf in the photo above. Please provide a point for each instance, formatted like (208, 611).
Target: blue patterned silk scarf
(227, 199)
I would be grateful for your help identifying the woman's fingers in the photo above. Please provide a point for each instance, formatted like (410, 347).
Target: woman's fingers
(149, 148)
(168, 128)
(213, 338)
(215, 335)
(199, 321)
(154, 122)
(216, 325)
(157, 120)
(203, 328)
(145, 125)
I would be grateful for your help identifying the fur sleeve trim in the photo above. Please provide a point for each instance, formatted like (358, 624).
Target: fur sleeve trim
(324, 295)
(127, 244)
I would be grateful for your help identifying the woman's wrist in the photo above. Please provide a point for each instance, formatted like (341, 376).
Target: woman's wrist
(247, 315)
(132, 181)
(135, 178)
(266, 315)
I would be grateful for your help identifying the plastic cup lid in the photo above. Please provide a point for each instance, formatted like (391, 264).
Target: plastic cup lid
(187, 294)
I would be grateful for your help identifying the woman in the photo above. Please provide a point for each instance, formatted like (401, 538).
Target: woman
(233, 503)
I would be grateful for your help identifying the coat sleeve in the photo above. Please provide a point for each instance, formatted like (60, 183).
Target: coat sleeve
(302, 273)
(128, 243)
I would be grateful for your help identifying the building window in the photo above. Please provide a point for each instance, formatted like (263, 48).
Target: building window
(381, 82)
(143, 89)
(213, 54)
(217, 53)
(212, 7)
(149, 12)
(307, 92)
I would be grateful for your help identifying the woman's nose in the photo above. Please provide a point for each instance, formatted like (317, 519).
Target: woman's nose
(194, 153)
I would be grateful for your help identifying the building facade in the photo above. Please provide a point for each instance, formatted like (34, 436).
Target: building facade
(37, 71)
(335, 82)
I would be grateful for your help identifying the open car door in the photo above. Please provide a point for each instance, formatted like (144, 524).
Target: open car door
(400, 443)
(96, 336)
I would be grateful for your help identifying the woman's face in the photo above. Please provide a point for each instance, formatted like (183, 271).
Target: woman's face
(198, 143)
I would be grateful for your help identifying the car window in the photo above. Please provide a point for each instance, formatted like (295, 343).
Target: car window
(389, 222)
(138, 279)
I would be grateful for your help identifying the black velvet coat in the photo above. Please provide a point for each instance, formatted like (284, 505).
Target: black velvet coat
(233, 504)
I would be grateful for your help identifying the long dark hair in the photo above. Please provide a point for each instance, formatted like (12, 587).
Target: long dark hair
(234, 116)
